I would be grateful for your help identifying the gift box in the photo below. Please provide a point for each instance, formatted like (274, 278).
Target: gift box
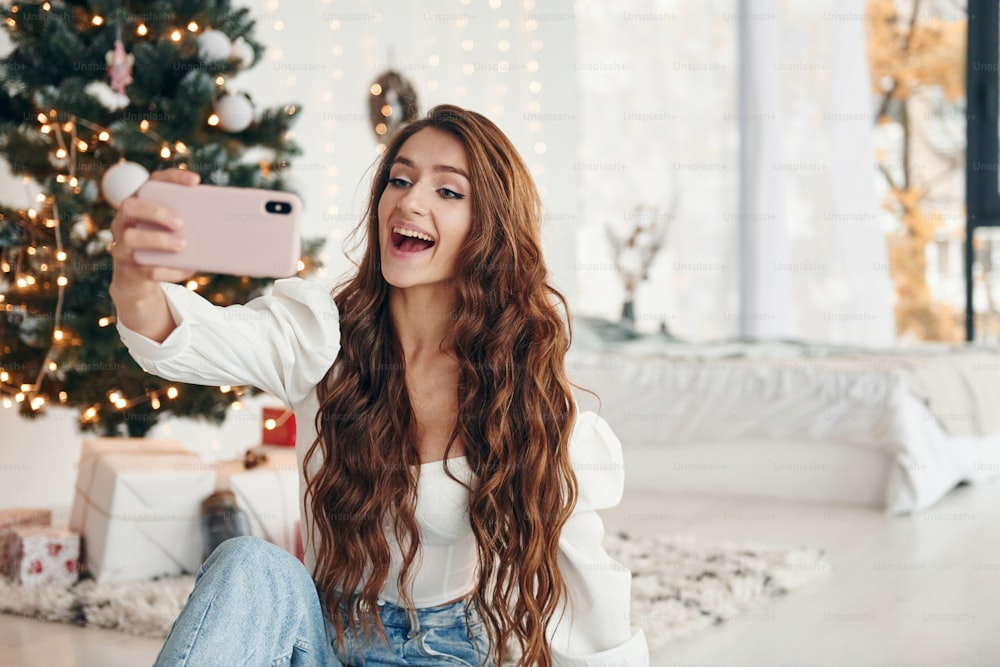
(278, 427)
(33, 555)
(24, 516)
(18, 517)
(137, 505)
(268, 493)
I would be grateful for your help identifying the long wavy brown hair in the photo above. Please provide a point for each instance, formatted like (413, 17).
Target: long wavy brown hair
(516, 411)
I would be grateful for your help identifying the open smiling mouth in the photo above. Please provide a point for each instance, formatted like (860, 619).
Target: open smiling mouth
(407, 240)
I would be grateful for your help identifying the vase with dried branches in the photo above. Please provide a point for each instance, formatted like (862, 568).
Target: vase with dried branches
(636, 249)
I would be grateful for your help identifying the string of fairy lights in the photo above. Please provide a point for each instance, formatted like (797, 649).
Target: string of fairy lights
(68, 143)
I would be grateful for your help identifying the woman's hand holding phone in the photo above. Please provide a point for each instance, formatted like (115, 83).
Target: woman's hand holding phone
(131, 279)
(171, 228)
(135, 287)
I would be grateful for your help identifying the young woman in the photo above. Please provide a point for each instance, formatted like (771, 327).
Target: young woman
(449, 486)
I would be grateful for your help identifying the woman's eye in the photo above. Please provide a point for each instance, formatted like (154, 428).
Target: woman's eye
(448, 193)
(398, 182)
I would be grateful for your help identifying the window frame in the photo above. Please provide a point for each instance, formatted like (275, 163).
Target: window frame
(982, 190)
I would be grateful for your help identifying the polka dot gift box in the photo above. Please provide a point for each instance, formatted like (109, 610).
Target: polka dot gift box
(34, 555)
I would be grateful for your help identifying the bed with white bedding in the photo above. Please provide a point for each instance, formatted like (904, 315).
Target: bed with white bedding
(892, 429)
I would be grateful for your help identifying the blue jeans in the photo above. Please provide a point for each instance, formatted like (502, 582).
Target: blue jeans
(256, 604)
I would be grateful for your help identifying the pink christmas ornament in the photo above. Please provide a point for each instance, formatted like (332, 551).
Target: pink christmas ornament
(119, 67)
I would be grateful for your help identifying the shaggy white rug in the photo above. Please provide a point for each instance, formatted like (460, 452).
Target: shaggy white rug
(679, 585)
(682, 584)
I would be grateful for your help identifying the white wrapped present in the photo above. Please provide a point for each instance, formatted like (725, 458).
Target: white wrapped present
(137, 505)
(268, 493)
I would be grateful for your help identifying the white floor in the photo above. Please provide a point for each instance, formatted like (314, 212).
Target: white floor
(918, 591)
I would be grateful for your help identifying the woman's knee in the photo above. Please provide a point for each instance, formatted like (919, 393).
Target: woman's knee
(252, 557)
(247, 548)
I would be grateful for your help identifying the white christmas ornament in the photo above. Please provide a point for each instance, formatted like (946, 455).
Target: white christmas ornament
(213, 45)
(104, 94)
(235, 113)
(241, 52)
(121, 181)
(79, 231)
(82, 228)
(100, 243)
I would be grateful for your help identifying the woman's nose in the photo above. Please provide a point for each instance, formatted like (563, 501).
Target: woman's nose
(413, 200)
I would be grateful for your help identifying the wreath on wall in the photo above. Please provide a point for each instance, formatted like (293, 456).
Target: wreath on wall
(391, 104)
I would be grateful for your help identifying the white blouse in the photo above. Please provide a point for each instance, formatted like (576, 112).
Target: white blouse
(285, 343)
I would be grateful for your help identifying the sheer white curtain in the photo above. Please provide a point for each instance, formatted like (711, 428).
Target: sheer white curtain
(660, 120)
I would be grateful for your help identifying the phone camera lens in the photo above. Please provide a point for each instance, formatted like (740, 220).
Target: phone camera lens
(279, 207)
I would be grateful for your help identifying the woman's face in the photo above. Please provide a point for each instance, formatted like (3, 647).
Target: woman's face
(425, 212)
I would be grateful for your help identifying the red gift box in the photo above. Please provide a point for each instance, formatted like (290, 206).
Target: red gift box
(24, 516)
(34, 555)
(278, 427)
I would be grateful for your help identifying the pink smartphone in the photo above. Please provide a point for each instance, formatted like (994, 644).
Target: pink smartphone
(236, 231)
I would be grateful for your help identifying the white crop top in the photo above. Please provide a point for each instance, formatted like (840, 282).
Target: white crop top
(446, 566)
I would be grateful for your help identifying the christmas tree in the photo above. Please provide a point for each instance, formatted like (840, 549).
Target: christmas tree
(94, 96)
